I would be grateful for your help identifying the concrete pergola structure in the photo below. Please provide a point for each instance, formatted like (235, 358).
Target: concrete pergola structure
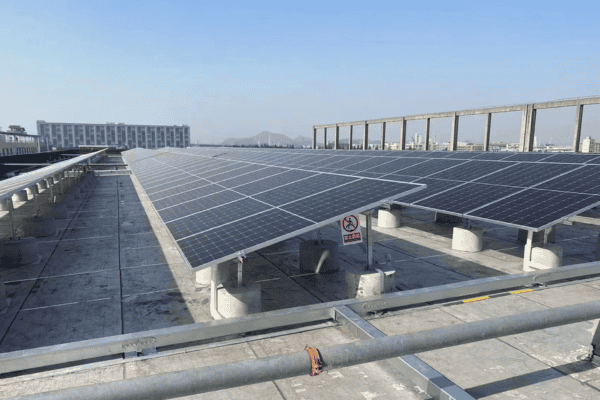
(527, 123)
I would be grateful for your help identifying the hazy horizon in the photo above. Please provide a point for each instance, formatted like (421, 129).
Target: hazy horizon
(236, 69)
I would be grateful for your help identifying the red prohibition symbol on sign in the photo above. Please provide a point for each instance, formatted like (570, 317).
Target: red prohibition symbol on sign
(350, 223)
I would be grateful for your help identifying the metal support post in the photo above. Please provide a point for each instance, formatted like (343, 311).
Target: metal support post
(241, 258)
(369, 240)
(546, 233)
(528, 249)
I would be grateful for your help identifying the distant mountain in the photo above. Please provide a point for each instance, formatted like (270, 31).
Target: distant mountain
(278, 139)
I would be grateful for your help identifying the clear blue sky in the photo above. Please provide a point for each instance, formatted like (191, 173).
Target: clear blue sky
(240, 68)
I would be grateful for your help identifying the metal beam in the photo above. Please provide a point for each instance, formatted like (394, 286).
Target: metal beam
(366, 136)
(225, 376)
(383, 136)
(93, 348)
(412, 367)
(337, 137)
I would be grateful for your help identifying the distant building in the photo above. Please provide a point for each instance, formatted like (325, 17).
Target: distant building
(468, 146)
(590, 146)
(68, 135)
(17, 141)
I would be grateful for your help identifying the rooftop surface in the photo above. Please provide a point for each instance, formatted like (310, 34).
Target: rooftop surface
(113, 269)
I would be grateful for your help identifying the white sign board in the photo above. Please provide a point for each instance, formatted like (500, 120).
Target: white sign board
(351, 229)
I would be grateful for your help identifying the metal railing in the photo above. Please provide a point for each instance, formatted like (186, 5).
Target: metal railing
(225, 376)
(153, 339)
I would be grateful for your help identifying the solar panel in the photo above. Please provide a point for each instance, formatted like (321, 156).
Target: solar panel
(464, 198)
(527, 174)
(582, 180)
(167, 199)
(430, 167)
(434, 186)
(464, 155)
(471, 170)
(289, 192)
(531, 157)
(255, 230)
(536, 208)
(436, 154)
(571, 158)
(494, 156)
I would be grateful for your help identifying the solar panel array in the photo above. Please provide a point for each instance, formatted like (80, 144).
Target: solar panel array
(524, 190)
(217, 203)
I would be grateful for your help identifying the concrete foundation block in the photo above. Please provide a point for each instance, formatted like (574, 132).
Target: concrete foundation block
(547, 257)
(389, 218)
(38, 227)
(226, 273)
(20, 196)
(33, 190)
(311, 252)
(233, 301)
(42, 185)
(14, 253)
(204, 276)
(538, 237)
(442, 218)
(369, 283)
(467, 239)
(4, 205)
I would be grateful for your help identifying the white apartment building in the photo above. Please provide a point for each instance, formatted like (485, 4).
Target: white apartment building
(590, 145)
(68, 135)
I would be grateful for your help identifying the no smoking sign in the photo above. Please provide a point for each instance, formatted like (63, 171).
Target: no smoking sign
(351, 229)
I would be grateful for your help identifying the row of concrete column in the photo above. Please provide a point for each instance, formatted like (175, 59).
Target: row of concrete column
(526, 139)
(32, 212)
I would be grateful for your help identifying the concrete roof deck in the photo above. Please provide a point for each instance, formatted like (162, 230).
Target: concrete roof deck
(113, 269)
